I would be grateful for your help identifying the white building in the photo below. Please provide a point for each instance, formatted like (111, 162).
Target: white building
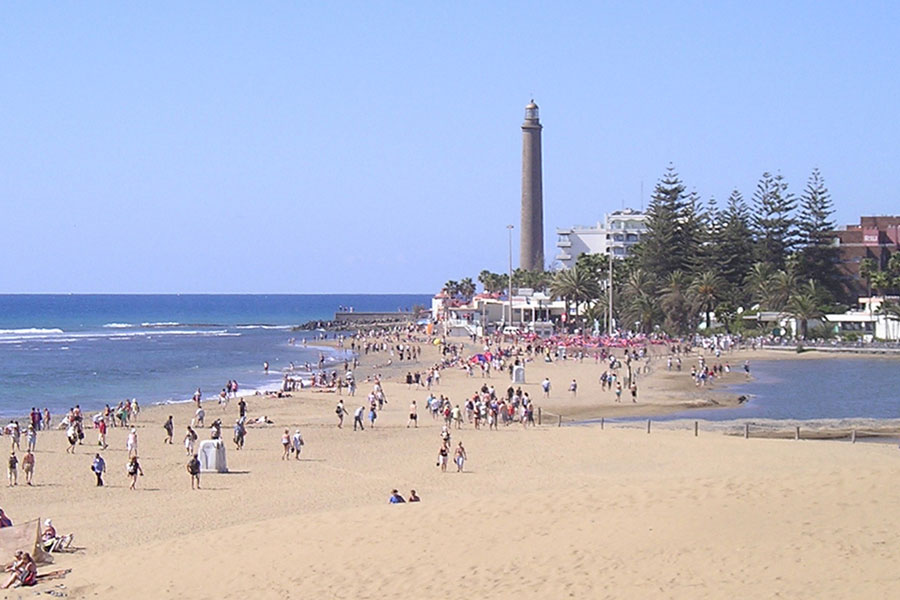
(621, 230)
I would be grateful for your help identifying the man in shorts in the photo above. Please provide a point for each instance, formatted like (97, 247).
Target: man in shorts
(193, 468)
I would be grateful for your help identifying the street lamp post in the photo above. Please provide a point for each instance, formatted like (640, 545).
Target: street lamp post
(509, 229)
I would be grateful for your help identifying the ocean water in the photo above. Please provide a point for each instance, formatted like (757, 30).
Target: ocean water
(831, 388)
(60, 350)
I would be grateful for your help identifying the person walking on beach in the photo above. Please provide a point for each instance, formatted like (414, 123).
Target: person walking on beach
(12, 473)
(573, 387)
(443, 455)
(297, 444)
(634, 392)
(286, 445)
(28, 466)
(31, 438)
(193, 469)
(460, 457)
(358, 418)
(340, 411)
(169, 426)
(190, 438)
(373, 414)
(199, 416)
(545, 385)
(131, 444)
(98, 467)
(133, 470)
(101, 433)
(413, 415)
(72, 437)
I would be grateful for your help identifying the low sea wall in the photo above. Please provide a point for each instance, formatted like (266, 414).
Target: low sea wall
(374, 317)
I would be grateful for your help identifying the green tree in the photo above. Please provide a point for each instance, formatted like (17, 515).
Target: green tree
(705, 291)
(451, 288)
(575, 286)
(867, 268)
(733, 247)
(673, 228)
(493, 283)
(759, 284)
(881, 281)
(804, 307)
(675, 303)
(784, 284)
(467, 289)
(641, 303)
(818, 256)
(773, 220)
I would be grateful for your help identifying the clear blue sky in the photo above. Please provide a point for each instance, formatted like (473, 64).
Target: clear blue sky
(375, 146)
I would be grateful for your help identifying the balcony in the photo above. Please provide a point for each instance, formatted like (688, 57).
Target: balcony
(564, 244)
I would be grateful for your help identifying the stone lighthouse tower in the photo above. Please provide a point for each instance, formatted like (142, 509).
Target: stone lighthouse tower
(531, 256)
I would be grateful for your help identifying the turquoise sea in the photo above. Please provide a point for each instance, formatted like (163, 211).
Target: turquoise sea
(60, 350)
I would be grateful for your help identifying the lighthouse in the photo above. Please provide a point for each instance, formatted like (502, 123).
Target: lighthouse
(531, 257)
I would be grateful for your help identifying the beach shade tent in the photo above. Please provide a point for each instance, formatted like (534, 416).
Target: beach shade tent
(212, 456)
(25, 537)
(518, 374)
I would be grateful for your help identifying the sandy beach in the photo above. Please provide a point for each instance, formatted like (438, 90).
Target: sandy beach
(559, 512)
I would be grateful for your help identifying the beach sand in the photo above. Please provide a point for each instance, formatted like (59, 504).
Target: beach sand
(551, 512)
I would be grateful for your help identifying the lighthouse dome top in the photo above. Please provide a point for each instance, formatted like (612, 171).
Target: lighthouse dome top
(531, 111)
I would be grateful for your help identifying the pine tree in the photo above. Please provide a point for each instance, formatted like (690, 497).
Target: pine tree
(733, 247)
(674, 229)
(773, 221)
(818, 257)
(656, 252)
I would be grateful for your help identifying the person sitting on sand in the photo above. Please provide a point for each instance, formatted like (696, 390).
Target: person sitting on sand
(23, 571)
(53, 542)
(413, 497)
(396, 498)
(4, 520)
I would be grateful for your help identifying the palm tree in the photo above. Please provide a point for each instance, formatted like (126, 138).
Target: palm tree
(784, 284)
(452, 288)
(867, 267)
(881, 281)
(759, 283)
(643, 309)
(803, 307)
(575, 285)
(467, 288)
(641, 302)
(705, 291)
(675, 304)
